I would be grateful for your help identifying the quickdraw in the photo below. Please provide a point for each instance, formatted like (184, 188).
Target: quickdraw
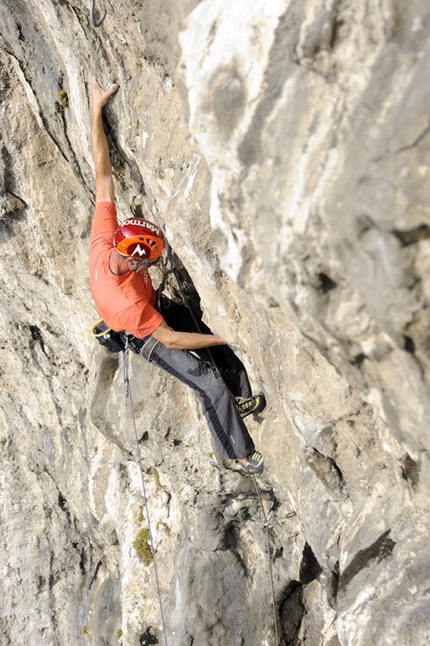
(265, 521)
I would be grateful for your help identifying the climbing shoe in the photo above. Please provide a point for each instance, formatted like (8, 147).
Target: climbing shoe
(251, 405)
(254, 463)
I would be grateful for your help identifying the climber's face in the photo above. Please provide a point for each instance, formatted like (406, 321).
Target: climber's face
(139, 265)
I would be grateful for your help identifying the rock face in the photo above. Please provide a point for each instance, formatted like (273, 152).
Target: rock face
(284, 147)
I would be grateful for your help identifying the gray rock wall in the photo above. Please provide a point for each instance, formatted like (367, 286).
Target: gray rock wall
(284, 146)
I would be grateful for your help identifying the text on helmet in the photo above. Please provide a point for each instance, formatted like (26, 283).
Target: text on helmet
(145, 224)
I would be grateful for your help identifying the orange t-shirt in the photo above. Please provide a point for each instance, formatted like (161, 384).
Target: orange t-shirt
(124, 302)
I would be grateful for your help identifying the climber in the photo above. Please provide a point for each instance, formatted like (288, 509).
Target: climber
(124, 296)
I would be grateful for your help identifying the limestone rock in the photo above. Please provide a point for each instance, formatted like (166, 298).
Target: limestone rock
(284, 148)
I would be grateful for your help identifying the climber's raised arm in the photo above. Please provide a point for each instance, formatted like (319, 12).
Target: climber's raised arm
(105, 191)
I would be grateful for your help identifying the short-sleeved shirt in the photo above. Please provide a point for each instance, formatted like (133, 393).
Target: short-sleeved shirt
(124, 302)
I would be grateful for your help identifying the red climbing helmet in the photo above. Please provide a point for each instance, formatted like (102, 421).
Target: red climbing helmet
(139, 239)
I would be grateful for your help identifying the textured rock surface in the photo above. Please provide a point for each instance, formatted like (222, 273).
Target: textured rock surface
(285, 148)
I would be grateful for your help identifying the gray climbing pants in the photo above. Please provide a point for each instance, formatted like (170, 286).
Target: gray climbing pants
(225, 423)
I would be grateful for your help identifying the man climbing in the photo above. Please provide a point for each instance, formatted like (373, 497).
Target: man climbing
(125, 298)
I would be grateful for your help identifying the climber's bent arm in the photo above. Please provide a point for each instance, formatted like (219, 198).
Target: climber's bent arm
(185, 340)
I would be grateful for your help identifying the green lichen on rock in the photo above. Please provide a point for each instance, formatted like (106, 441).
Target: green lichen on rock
(157, 478)
(162, 525)
(142, 547)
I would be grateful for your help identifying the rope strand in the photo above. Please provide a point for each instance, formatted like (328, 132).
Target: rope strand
(128, 397)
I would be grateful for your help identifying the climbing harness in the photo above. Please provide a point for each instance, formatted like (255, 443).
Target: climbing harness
(265, 521)
(128, 398)
(96, 23)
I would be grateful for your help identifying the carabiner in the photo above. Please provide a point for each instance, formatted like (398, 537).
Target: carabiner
(96, 23)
